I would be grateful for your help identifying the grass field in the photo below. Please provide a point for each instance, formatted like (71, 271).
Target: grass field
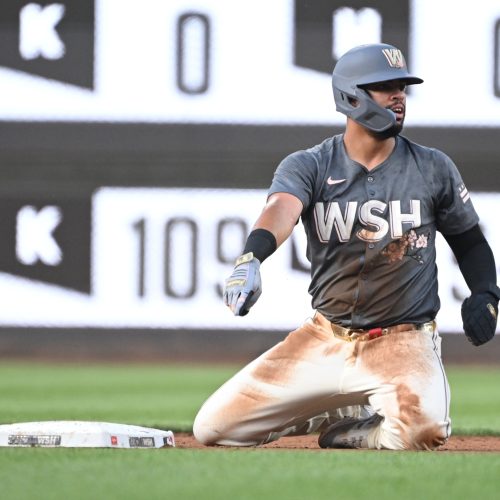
(168, 397)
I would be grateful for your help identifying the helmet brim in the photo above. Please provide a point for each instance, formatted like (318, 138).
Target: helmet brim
(408, 79)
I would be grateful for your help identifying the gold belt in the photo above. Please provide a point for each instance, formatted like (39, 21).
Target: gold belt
(351, 334)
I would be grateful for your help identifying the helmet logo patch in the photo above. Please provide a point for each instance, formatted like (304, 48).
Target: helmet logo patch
(394, 58)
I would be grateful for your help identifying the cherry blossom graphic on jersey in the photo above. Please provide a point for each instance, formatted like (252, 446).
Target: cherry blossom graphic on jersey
(411, 245)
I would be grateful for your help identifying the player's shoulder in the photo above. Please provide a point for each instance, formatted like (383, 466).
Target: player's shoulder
(430, 155)
(317, 154)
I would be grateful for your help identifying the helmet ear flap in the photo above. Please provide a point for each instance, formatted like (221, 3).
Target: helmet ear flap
(343, 101)
(366, 111)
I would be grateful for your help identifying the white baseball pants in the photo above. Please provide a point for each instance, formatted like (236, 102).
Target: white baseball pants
(304, 383)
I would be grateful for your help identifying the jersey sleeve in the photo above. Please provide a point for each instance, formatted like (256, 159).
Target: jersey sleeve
(455, 212)
(296, 175)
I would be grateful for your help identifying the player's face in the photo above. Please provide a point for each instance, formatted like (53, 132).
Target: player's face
(390, 95)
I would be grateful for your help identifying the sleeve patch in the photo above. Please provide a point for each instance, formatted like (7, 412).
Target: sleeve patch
(464, 193)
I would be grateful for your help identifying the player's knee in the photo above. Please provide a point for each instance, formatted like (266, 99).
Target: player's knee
(212, 431)
(203, 431)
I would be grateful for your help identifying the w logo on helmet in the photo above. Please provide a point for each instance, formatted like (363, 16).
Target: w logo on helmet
(394, 58)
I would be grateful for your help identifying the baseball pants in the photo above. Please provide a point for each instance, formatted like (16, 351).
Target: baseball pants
(312, 378)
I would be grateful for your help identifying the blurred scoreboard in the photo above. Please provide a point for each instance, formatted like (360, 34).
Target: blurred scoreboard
(235, 61)
(158, 257)
(137, 140)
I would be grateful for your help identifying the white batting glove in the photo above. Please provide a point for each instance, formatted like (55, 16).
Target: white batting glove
(243, 287)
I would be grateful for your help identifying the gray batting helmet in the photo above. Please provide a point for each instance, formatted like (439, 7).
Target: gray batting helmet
(363, 65)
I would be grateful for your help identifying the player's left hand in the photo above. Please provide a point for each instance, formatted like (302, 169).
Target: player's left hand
(479, 316)
(243, 287)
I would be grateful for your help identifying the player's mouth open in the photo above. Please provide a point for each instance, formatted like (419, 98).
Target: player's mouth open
(398, 110)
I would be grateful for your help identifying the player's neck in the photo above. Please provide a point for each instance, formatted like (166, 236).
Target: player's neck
(364, 148)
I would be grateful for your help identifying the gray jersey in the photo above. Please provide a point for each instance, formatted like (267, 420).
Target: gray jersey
(371, 234)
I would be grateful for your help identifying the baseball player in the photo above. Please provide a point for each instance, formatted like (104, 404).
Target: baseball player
(365, 370)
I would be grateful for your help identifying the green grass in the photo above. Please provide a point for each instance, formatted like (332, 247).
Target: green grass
(169, 397)
(249, 474)
(475, 400)
(142, 395)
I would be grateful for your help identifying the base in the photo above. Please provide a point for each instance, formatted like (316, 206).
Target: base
(80, 434)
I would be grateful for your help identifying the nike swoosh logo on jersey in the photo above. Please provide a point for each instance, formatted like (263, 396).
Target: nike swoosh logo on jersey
(331, 181)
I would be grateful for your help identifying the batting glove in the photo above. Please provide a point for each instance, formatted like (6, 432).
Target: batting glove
(243, 287)
(479, 316)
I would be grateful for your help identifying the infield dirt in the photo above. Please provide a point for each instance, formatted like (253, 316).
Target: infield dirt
(455, 443)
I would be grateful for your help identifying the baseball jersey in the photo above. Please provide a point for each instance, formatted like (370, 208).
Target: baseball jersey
(371, 233)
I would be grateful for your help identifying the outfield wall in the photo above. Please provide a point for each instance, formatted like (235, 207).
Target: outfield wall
(181, 346)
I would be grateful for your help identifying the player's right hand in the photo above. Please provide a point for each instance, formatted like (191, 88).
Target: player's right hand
(243, 287)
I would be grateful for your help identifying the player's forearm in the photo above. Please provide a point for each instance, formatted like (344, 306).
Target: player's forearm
(280, 230)
(478, 268)
(279, 216)
(274, 225)
(475, 259)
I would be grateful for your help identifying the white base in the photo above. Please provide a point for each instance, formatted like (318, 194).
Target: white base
(80, 434)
